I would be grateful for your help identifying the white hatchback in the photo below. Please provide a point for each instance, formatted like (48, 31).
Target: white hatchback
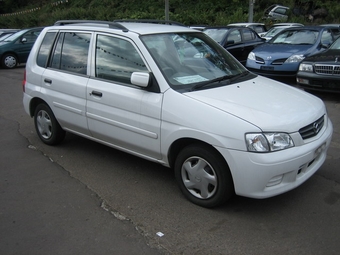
(172, 95)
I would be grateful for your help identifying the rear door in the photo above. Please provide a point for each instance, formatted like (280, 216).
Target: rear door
(64, 80)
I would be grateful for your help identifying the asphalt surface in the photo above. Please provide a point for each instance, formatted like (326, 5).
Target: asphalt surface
(43, 210)
(84, 198)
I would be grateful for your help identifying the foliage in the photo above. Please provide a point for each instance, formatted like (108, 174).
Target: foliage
(189, 12)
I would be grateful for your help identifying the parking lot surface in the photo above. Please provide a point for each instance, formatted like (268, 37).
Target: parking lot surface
(84, 198)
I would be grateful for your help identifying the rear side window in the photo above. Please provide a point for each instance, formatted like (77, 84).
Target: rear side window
(117, 59)
(45, 49)
(71, 52)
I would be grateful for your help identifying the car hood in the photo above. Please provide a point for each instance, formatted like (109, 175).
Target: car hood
(276, 51)
(267, 104)
(328, 56)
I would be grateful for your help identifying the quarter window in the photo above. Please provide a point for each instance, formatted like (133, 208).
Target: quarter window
(117, 59)
(45, 48)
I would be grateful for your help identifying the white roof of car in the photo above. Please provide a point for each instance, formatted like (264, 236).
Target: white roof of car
(125, 26)
(245, 24)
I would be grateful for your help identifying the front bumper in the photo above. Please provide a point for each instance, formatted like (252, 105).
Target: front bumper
(308, 80)
(263, 175)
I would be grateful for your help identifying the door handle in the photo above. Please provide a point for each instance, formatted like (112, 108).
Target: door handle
(48, 81)
(96, 93)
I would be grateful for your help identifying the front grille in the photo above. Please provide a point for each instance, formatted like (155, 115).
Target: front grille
(327, 69)
(279, 61)
(312, 129)
(259, 60)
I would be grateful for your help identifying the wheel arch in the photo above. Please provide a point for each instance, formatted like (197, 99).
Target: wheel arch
(179, 144)
(34, 103)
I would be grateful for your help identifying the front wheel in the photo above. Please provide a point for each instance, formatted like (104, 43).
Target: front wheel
(9, 61)
(46, 125)
(203, 176)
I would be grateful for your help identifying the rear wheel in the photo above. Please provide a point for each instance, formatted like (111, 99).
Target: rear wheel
(46, 125)
(9, 61)
(203, 176)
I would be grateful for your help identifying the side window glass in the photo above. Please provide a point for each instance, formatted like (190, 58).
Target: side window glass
(234, 36)
(117, 59)
(45, 49)
(31, 36)
(326, 38)
(248, 35)
(71, 52)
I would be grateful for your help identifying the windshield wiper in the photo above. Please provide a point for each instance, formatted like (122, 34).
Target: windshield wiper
(211, 82)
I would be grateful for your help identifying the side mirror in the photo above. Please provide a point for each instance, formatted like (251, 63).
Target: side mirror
(24, 40)
(140, 79)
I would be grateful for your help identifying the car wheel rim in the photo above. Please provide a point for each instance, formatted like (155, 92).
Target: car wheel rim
(44, 124)
(199, 177)
(10, 61)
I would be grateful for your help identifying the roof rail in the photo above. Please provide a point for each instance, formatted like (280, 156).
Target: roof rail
(154, 21)
(110, 23)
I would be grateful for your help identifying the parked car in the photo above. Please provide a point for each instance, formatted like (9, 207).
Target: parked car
(275, 29)
(281, 56)
(5, 31)
(321, 71)
(277, 12)
(223, 129)
(239, 41)
(15, 48)
(257, 27)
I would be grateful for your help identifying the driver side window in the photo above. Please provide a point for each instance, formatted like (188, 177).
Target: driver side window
(117, 59)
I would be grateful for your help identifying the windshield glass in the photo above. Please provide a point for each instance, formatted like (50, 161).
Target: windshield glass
(218, 34)
(191, 59)
(336, 45)
(15, 36)
(296, 37)
(273, 31)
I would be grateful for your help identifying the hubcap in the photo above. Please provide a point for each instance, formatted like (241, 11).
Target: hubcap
(199, 177)
(44, 124)
(10, 61)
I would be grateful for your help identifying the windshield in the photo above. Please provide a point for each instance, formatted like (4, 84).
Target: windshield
(296, 37)
(191, 59)
(273, 31)
(336, 45)
(218, 34)
(15, 36)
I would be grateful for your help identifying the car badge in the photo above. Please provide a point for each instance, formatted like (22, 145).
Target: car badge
(316, 128)
(269, 57)
(336, 59)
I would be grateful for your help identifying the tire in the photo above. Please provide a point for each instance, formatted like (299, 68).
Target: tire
(46, 125)
(9, 61)
(203, 176)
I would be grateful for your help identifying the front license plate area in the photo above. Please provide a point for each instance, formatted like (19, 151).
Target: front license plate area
(267, 68)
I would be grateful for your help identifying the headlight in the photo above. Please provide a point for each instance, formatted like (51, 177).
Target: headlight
(295, 58)
(267, 142)
(306, 67)
(251, 56)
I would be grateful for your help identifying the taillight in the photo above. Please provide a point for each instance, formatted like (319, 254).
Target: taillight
(24, 81)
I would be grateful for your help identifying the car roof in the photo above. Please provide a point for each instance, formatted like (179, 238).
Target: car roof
(137, 26)
(287, 24)
(245, 24)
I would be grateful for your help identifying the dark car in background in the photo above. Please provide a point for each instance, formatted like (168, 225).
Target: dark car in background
(321, 71)
(15, 48)
(239, 41)
(281, 56)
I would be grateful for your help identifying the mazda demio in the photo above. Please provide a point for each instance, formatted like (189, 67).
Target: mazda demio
(170, 94)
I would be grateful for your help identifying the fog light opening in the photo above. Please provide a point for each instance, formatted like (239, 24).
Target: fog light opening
(276, 180)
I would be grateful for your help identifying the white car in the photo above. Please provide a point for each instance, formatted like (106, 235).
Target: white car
(172, 95)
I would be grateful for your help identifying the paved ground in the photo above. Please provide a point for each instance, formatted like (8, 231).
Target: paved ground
(45, 211)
